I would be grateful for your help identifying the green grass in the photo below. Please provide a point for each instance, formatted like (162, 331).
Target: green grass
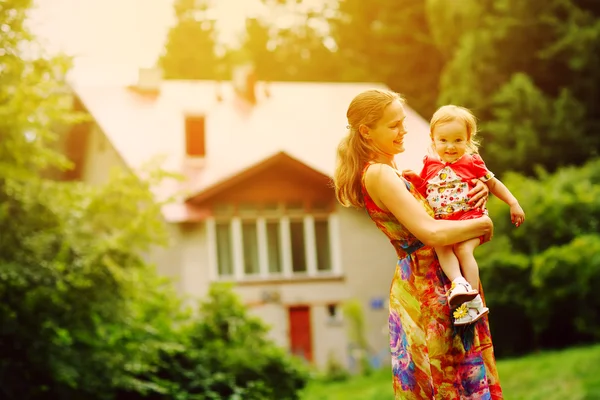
(572, 374)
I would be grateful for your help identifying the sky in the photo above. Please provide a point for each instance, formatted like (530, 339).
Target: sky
(111, 39)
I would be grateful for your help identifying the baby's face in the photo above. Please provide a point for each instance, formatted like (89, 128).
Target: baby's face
(450, 140)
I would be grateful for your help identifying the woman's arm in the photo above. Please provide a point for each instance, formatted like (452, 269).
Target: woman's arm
(389, 192)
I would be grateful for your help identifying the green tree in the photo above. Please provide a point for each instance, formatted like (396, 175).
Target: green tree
(258, 49)
(225, 354)
(540, 279)
(529, 71)
(538, 130)
(69, 263)
(296, 51)
(390, 42)
(191, 44)
(83, 315)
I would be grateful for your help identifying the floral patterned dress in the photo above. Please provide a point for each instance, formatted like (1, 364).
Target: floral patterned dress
(431, 359)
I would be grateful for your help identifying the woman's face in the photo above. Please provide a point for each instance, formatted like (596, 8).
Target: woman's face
(388, 135)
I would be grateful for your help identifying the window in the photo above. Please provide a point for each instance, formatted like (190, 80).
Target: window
(224, 250)
(323, 246)
(273, 248)
(298, 249)
(268, 245)
(195, 136)
(334, 314)
(250, 241)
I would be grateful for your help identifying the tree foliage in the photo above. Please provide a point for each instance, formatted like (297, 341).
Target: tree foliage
(225, 355)
(287, 43)
(380, 41)
(83, 314)
(190, 50)
(540, 279)
(529, 70)
(390, 42)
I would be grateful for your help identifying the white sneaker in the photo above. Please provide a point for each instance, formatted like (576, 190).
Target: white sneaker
(460, 293)
(469, 313)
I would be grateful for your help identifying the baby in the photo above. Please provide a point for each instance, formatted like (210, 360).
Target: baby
(445, 181)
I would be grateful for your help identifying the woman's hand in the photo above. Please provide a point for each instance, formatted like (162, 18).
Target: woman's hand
(478, 196)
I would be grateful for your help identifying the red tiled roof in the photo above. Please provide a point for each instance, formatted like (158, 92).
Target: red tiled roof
(303, 119)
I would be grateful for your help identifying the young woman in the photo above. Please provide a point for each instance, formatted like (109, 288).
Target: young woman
(428, 359)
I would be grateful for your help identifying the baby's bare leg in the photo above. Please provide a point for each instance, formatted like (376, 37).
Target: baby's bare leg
(449, 262)
(464, 253)
(460, 291)
(475, 308)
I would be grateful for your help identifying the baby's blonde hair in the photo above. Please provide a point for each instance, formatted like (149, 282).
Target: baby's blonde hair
(449, 113)
(354, 151)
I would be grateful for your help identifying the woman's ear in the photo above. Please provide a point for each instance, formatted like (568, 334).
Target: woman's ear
(364, 131)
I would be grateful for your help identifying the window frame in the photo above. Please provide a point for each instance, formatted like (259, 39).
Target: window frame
(283, 219)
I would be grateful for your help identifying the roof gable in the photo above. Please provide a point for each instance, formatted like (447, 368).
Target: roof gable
(273, 179)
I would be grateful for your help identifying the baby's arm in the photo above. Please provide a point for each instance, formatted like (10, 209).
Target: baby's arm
(418, 180)
(413, 177)
(517, 215)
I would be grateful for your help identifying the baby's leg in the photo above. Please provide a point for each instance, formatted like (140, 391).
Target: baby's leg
(473, 310)
(449, 262)
(464, 252)
(460, 291)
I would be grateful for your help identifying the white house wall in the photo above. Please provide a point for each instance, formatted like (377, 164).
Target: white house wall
(330, 338)
(100, 158)
(192, 247)
(327, 338)
(368, 262)
(168, 259)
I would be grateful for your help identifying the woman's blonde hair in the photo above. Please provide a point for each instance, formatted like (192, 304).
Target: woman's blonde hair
(354, 151)
(450, 113)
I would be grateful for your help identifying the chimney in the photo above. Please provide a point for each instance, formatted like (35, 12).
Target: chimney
(149, 80)
(244, 82)
(195, 136)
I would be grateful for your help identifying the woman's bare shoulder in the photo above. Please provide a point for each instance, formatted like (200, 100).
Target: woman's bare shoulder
(380, 176)
(378, 171)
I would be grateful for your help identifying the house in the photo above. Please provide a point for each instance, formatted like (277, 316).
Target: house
(258, 207)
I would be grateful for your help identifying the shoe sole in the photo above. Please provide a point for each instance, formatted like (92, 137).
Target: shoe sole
(459, 299)
(479, 316)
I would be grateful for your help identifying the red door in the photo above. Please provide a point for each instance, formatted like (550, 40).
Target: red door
(300, 332)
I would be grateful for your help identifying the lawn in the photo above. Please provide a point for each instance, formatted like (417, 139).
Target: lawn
(572, 374)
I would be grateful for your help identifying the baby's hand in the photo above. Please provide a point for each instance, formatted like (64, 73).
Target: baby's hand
(412, 177)
(517, 215)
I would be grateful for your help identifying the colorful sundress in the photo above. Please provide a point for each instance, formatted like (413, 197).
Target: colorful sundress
(431, 359)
